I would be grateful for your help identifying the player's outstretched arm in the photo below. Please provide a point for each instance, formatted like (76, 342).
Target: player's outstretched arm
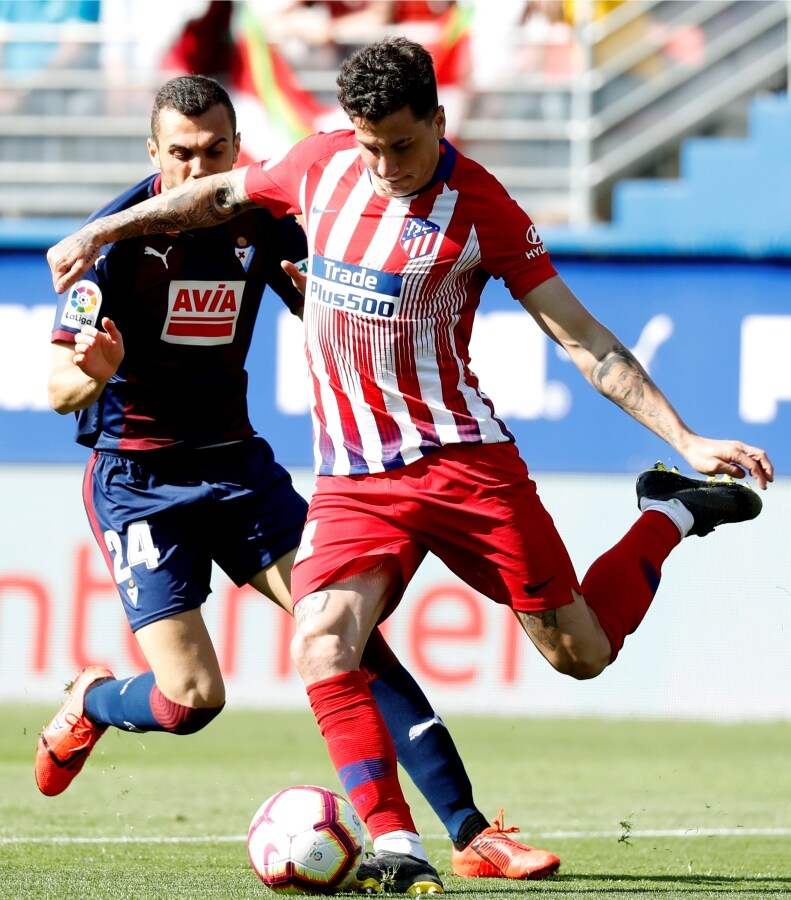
(615, 372)
(195, 204)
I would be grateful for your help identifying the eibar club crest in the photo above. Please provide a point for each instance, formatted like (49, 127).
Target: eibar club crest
(418, 237)
(244, 253)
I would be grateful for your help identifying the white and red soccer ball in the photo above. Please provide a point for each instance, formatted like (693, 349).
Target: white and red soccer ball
(306, 840)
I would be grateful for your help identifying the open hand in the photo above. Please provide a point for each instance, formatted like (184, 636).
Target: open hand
(99, 353)
(712, 457)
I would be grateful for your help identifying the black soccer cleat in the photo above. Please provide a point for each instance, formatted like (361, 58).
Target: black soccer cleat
(397, 873)
(712, 502)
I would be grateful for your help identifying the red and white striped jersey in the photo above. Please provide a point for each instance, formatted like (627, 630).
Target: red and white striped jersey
(393, 286)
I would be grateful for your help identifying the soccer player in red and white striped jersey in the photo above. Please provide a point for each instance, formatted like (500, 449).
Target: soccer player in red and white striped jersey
(403, 233)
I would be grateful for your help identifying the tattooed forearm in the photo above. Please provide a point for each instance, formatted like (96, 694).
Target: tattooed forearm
(196, 204)
(621, 378)
(228, 202)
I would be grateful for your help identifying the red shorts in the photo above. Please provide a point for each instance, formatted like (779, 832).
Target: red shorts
(472, 505)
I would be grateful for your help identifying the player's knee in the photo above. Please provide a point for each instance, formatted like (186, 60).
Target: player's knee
(314, 654)
(178, 718)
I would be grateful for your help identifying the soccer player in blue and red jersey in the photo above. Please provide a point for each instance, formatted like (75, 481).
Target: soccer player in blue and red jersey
(404, 231)
(149, 351)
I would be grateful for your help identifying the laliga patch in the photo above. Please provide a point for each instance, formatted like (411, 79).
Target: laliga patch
(203, 313)
(82, 305)
(419, 237)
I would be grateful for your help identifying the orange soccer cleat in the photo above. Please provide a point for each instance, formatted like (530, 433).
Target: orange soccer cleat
(65, 743)
(493, 854)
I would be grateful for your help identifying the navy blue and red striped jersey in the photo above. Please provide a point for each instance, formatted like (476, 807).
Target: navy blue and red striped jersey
(186, 305)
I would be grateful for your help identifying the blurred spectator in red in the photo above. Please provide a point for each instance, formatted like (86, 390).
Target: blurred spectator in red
(205, 45)
(319, 33)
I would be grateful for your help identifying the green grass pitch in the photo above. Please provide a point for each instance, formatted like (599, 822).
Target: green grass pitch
(634, 809)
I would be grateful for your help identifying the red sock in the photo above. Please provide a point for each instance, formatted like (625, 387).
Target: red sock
(621, 584)
(361, 750)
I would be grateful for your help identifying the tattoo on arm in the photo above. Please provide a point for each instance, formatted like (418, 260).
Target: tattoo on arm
(542, 627)
(198, 205)
(227, 201)
(621, 378)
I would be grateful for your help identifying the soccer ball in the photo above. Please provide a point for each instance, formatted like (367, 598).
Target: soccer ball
(306, 840)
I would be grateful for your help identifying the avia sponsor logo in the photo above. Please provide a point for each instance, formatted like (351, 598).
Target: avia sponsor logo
(202, 313)
(419, 237)
(354, 289)
(82, 305)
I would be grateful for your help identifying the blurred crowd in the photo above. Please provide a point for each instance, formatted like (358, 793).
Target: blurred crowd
(143, 36)
(134, 40)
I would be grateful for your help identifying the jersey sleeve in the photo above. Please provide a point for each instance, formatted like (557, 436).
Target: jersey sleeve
(277, 184)
(80, 305)
(511, 247)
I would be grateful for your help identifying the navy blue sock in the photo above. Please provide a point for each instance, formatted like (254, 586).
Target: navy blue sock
(425, 748)
(125, 703)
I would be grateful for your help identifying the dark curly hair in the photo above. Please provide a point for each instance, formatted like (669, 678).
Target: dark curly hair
(191, 95)
(381, 78)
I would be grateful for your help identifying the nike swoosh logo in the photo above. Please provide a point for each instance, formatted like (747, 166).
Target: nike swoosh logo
(318, 211)
(531, 589)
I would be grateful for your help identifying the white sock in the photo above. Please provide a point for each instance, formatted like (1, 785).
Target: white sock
(674, 509)
(401, 842)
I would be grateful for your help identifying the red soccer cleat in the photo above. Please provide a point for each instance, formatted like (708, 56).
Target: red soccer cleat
(65, 743)
(495, 855)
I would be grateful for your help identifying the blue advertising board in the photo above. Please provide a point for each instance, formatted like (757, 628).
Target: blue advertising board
(713, 334)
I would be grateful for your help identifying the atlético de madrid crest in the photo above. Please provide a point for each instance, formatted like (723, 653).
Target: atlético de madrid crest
(418, 237)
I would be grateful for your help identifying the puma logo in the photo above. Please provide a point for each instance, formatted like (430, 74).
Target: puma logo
(150, 251)
(416, 730)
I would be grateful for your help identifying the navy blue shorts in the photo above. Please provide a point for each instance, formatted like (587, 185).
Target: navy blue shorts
(162, 518)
